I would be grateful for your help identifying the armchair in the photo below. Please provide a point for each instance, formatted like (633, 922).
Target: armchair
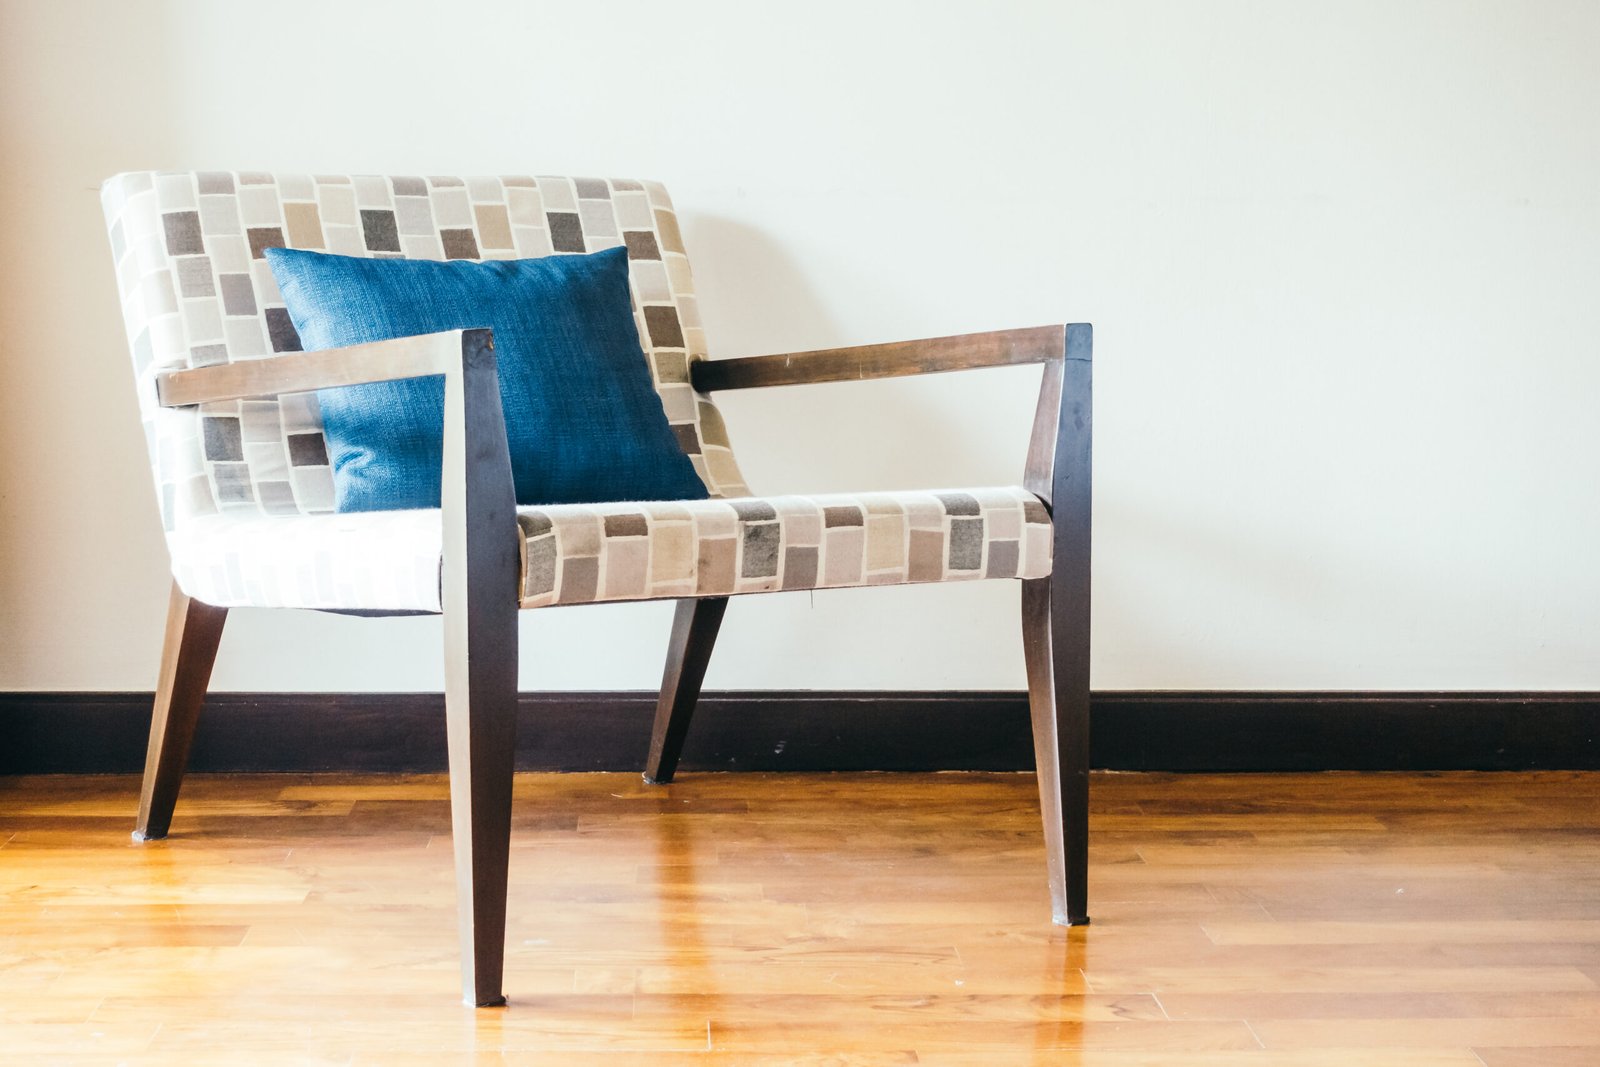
(246, 497)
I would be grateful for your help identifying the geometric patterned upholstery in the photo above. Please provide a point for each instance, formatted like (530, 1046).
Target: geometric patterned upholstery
(580, 553)
(587, 553)
(196, 291)
(245, 488)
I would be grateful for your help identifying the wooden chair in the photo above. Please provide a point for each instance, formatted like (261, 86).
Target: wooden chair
(246, 495)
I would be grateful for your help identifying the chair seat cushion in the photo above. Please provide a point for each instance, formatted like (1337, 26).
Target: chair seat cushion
(369, 560)
(583, 418)
(586, 553)
(578, 554)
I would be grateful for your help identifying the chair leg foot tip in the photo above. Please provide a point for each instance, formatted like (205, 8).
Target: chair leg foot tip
(656, 779)
(1071, 920)
(141, 836)
(497, 1001)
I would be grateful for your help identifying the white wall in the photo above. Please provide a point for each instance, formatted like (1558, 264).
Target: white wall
(1343, 261)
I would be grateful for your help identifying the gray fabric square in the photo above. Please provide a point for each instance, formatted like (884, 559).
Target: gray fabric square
(959, 503)
(688, 438)
(307, 450)
(642, 244)
(541, 576)
(966, 544)
(626, 525)
(194, 276)
(214, 182)
(262, 238)
(663, 324)
(380, 232)
(280, 328)
(760, 550)
(800, 567)
(233, 483)
(223, 440)
(238, 294)
(459, 244)
(1003, 558)
(566, 232)
(183, 233)
(580, 579)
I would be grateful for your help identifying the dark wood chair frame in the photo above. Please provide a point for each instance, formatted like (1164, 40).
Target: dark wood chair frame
(481, 567)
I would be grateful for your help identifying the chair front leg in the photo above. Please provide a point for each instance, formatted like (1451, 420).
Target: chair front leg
(479, 585)
(694, 632)
(187, 654)
(1055, 643)
(481, 714)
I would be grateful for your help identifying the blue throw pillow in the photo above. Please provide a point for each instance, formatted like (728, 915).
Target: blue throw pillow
(583, 421)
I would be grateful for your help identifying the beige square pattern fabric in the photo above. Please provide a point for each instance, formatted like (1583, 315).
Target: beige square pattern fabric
(589, 553)
(583, 553)
(196, 291)
(245, 488)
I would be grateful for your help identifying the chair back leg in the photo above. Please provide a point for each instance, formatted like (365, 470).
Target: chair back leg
(694, 632)
(187, 654)
(1055, 643)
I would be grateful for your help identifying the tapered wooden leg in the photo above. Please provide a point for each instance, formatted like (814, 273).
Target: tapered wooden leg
(187, 654)
(1055, 641)
(1055, 618)
(479, 585)
(694, 631)
(481, 708)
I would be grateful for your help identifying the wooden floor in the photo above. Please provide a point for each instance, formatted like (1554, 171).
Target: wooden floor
(1279, 921)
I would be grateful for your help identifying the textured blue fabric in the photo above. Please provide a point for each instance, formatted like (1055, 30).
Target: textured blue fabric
(583, 420)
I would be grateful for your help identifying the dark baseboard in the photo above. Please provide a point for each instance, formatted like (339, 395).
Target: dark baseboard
(792, 730)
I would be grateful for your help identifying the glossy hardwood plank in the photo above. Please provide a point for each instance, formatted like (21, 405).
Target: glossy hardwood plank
(1478, 1006)
(1572, 931)
(1531, 1032)
(1543, 1056)
(833, 919)
(1333, 1057)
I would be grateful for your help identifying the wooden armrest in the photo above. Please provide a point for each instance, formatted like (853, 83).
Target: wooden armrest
(1058, 450)
(478, 509)
(403, 357)
(933, 355)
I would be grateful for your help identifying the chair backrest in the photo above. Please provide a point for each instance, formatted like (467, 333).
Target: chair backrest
(196, 290)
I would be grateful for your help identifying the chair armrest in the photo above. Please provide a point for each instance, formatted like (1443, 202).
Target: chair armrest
(932, 355)
(482, 549)
(403, 357)
(1059, 447)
